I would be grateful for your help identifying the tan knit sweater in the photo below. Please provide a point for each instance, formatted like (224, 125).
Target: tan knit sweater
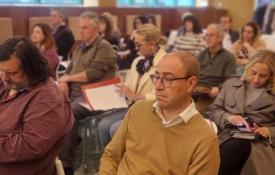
(143, 146)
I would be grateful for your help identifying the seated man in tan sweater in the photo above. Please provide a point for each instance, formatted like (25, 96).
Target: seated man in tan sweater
(166, 136)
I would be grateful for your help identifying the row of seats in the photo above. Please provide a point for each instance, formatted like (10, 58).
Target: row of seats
(7, 24)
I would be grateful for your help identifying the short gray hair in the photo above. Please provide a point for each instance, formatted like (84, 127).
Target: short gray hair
(59, 10)
(218, 29)
(90, 15)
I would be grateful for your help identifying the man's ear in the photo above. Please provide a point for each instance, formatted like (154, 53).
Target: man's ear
(192, 82)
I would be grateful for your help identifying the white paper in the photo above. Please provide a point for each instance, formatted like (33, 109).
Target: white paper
(86, 105)
(105, 98)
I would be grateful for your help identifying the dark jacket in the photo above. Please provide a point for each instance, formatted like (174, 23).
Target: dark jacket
(234, 35)
(64, 40)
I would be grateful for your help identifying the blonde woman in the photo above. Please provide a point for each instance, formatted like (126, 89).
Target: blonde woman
(248, 103)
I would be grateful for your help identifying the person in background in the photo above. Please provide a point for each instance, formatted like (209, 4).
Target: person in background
(151, 19)
(248, 102)
(260, 11)
(230, 36)
(247, 45)
(148, 40)
(129, 53)
(216, 65)
(116, 31)
(106, 31)
(42, 37)
(63, 36)
(167, 135)
(173, 34)
(94, 60)
(35, 115)
(191, 39)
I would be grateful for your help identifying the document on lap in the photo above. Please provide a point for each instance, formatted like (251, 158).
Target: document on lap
(103, 95)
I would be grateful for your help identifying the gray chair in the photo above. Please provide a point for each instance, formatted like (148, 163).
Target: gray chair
(90, 130)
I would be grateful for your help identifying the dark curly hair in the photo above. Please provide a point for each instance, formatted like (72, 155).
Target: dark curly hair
(33, 64)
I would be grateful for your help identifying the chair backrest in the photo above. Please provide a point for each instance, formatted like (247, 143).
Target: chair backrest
(213, 125)
(59, 167)
(6, 28)
(73, 25)
(269, 41)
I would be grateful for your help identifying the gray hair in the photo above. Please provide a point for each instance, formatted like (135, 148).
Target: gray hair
(92, 16)
(218, 29)
(59, 10)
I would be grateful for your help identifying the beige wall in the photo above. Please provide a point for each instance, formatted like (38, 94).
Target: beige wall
(100, 3)
(240, 10)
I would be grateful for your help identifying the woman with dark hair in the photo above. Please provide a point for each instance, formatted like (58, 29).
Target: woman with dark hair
(139, 20)
(151, 19)
(247, 45)
(128, 54)
(33, 64)
(43, 39)
(191, 38)
(106, 30)
(248, 104)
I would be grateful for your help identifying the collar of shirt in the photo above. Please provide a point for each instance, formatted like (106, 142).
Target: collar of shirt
(226, 43)
(214, 54)
(184, 116)
(55, 28)
(85, 45)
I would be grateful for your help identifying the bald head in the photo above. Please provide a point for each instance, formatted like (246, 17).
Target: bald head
(189, 62)
(176, 77)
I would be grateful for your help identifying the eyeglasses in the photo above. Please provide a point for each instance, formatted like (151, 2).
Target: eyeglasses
(165, 80)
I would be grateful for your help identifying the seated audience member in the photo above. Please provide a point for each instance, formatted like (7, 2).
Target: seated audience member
(43, 39)
(229, 35)
(106, 31)
(152, 19)
(93, 61)
(216, 65)
(259, 13)
(35, 115)
(116, 31)
(246, 46)
(172, 36)
(148, 40)
(157, 137)
(63, 36)
(191, 39)
(248, 102)
(269, 18)
(130, 53)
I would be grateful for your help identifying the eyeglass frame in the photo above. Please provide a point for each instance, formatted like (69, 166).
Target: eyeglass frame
(167, 79)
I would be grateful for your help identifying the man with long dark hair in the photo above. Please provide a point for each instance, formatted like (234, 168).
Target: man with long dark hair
(35, 116)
